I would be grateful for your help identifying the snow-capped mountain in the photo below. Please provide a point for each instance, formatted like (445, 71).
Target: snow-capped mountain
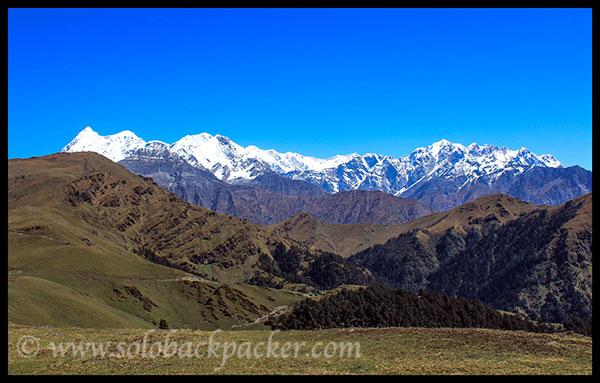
(443, 174)
(116, 146)
(442, 159)
(223, 157)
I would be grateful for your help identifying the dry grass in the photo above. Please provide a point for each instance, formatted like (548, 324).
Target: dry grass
(382, 351)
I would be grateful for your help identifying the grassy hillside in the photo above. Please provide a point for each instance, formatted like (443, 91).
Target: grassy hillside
(86, 199)
(381, 351)
(91, 244)
(65, 286)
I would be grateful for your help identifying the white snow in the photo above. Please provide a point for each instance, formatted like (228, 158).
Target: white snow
(116, 147)
(230, 161)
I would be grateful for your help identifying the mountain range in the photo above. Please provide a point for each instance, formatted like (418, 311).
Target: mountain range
(93, 244)
(442, 175)
(269, 198)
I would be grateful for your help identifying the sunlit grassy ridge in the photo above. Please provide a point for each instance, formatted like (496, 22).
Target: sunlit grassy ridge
(90, 244)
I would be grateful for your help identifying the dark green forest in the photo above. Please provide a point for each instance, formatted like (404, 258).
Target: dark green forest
(494, 263)
(297, 265)
(379, 306)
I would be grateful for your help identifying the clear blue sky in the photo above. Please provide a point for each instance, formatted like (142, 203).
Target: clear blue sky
(315, 81)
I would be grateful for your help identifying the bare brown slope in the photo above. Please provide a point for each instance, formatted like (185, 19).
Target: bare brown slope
(583, 220)
(367, 206)
(133, 211)
(356, 206)
(499, 208)
(344, 240)
(99, 192)
(349, 239)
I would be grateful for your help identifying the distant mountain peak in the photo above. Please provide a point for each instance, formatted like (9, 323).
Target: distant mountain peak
(443, 174)
(116, 146)
(444, 143)
(231, 161)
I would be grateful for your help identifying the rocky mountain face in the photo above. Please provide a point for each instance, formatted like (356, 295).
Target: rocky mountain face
(442, 175)
(515, 256)
(445, 175)
(269, 198)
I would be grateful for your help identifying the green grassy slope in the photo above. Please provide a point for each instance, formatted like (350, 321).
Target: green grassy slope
(73, 251)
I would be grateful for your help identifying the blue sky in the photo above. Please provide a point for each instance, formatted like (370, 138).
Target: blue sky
(315, 81)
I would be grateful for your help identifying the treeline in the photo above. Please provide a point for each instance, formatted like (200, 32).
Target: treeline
(321, 270)
(497, 266)
(578, 325)
(494, 264)
(378, 306)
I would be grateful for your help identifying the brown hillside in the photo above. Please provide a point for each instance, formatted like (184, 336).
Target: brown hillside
(88, 190)
(351, 238)
(95, 191)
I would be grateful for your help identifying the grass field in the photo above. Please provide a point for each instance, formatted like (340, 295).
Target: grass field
(347, 351)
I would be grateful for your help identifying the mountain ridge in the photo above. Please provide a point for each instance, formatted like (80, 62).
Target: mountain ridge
(515, 256)
(511, 254)
(270, 198)
(348, 239)
(442, 175)
(145, 219)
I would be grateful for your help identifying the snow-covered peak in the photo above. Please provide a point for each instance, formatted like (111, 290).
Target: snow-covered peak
(436, 153)
(294, 162)
(550, 161)
(441, 150)
(447, 159)
(207, 150)
(116, 146)
(153, 149)
(230, 161)
(87, 135)
(443, 144)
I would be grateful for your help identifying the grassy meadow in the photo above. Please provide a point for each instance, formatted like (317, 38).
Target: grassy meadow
(380, 351)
